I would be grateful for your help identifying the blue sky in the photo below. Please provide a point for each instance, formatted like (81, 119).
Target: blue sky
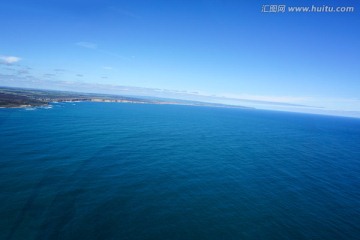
(211, 50)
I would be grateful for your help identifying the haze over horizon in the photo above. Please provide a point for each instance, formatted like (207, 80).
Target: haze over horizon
(220, 51)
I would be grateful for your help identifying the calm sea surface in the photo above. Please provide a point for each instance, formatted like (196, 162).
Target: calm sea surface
(130, 171)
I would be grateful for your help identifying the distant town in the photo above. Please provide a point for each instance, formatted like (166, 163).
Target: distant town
(24, 98)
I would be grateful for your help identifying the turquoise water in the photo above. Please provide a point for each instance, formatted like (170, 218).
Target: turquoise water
(131, 171)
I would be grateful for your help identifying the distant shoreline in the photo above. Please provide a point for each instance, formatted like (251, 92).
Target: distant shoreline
(30, 98)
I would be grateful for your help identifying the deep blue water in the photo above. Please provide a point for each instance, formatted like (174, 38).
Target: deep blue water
(130, 171)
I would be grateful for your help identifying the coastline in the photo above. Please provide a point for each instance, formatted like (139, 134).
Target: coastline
(14, 98)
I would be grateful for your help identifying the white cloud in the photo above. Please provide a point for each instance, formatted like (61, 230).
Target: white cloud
(87, 45)
(279, 99)
(95, 47)
(9, 59)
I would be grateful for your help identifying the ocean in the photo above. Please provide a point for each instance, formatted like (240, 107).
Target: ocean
(141, 171)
